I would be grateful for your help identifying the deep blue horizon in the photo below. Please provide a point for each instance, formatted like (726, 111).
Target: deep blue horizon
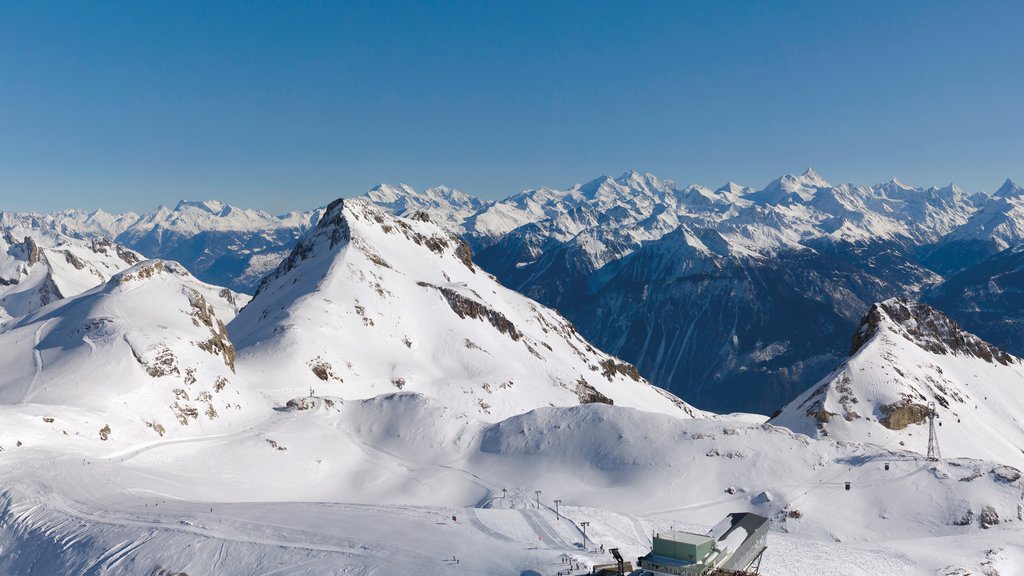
(126, 106)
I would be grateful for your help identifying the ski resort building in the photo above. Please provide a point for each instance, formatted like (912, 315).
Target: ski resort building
(733, 546)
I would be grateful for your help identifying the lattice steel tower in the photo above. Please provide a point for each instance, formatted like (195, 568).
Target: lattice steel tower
(933, 439)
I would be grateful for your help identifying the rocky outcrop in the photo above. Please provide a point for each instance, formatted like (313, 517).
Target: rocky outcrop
(989, 517)
(898, 416)
(589, 395)
(32, 252)
(926, 327)
(469, 308)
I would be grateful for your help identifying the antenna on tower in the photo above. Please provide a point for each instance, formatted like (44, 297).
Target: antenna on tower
(933, 439)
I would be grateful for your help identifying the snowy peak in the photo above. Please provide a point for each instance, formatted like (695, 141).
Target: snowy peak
(905, 357)
(214, 207)
(1009, 190)
(927, 328)
(646, 181)
(813, 178)
(790, 189)
(445, 205)
(369, 303)
(896, 183)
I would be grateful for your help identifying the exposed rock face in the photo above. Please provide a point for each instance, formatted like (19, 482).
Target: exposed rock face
(900, 415)
(588, 394)
(31, 250)
(335, 225)
(610, 367)
(1006, 474)
(74, 260)
(929, 329)
(989, 517)
(469, 308)
(966, 519)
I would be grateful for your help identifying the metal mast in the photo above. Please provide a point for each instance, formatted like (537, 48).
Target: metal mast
(933, 439)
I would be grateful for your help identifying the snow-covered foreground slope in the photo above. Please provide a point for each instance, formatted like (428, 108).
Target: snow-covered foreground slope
(368, 303)
(371, 486)
(906, 355)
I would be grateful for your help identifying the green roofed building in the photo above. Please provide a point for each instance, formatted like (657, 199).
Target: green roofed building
(734, 544)
(683, 546)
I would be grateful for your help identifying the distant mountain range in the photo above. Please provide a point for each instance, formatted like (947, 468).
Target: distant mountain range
(220, 244)
(733, 298)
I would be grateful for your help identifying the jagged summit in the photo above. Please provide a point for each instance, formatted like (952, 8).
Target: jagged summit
(1009, 189)
(215, 207)
(369, 303)
(789, 189)
(904, 356)
(810, 175)
(895, 182)
(927, 328)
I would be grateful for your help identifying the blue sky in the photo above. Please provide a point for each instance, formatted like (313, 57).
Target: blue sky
(288, 105)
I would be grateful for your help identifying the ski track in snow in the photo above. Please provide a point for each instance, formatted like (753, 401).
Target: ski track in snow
(544, 531)
(37, 356)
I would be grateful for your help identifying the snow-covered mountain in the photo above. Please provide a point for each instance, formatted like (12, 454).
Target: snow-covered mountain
(905, 356)
(369, 303)
(442, 204)
(706, 291)
(219, 243)
(144, 355)
(988, 298)
(710, 292)
(996, 226)
(40, 267)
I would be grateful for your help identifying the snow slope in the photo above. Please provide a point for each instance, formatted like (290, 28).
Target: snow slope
(904, 356)
(372, 486)
(369, 303)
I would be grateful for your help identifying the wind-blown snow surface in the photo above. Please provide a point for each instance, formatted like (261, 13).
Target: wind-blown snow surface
(905, 356)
